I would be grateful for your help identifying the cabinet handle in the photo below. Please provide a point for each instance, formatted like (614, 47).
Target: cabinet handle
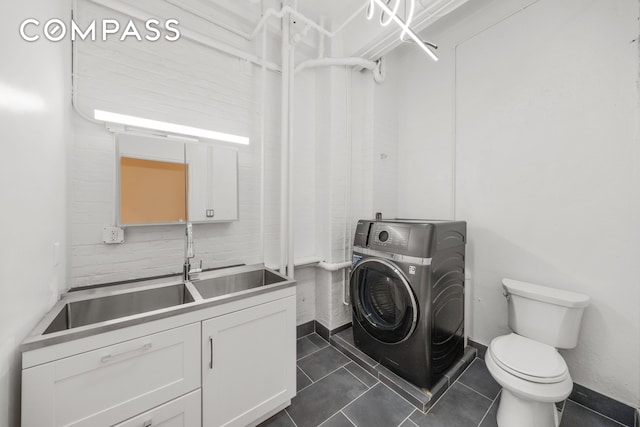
(211, 348)
(109, 357)
(147, 423)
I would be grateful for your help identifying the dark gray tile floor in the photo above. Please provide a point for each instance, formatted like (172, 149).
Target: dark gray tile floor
(333, 391)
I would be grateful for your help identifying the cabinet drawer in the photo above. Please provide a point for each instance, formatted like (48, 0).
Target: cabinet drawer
(181, 412)
(111, 384)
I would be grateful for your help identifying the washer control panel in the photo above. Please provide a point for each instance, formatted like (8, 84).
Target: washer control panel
(391, 235)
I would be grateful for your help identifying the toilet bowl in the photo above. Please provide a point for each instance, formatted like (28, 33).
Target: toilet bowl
(533, 376)
(526, 363)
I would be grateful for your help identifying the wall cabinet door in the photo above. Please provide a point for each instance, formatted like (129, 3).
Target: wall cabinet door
(213, 183)
(109, 385)
(181, 412)
(249, 365)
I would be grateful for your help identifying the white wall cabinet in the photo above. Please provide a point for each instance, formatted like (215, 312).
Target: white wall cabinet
(213, 183)
(111, 384)
(248, 363)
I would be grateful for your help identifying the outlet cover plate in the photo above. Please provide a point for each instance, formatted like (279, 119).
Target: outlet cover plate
(113, 235)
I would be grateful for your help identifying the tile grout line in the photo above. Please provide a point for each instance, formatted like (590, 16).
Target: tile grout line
(288, 415)
(596, 412)
(341, 409)
(437, 400)
(407, 418)
(400, 396)
(312, 353)
(321, 378)
(348, 419)
(354, 376)
(489, 410)
(305, 374)
(347, 344)
(475, 391)
(379, 381)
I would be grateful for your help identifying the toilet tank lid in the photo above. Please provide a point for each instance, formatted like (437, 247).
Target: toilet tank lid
(546, 294)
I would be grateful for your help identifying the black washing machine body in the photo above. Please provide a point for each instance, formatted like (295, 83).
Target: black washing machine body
(408, 308)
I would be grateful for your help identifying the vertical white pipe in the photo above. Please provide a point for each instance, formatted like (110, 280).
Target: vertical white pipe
(263, 133)
(284, 141)
(321, 40)
(348, 156)
(290, 232)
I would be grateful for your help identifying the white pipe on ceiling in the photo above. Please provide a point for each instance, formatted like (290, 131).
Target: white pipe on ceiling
(329, 62)
(191, 35)
(211, 20)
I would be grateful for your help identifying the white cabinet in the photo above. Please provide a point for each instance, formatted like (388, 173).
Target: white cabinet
(114, 383)
(181, 412)
(248, 363)
(213, 183)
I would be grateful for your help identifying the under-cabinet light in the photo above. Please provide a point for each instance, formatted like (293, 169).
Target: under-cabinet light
(406, 30)
(123, 119)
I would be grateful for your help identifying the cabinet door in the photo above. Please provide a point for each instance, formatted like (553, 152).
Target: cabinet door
(213, 183)
(223, 191)
(181, 412)
(114, 383)
(248, 363)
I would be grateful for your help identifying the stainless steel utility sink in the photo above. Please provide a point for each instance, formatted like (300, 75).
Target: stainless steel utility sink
(87, 312)
(95, 310)
(233, 283)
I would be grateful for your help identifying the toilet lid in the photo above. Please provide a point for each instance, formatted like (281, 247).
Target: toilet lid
(528, 359)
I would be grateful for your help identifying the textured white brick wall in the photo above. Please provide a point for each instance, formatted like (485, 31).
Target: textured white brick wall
(369, 182)
(184, 83)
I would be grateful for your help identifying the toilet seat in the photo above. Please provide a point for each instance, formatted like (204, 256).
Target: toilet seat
(528, 359)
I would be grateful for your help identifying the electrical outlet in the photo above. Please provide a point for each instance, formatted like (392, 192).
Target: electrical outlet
(113, 235)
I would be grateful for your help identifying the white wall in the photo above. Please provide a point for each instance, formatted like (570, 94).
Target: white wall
(34, 117)
(542, 105)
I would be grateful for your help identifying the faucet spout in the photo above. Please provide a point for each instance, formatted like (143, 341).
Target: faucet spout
(190, 253)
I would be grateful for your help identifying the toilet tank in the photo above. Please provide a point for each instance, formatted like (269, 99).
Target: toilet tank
(548, 315)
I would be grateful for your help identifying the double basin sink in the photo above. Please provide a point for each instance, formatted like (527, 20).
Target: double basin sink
(105, 307)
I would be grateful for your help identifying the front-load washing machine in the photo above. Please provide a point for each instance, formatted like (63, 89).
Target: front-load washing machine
(407, 295)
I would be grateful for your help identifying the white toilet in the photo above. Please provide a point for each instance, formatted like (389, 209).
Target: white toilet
(526, 363)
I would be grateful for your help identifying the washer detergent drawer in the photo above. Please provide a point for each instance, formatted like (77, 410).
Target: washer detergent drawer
(112, 384)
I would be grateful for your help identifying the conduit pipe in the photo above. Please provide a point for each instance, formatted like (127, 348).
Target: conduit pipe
(318, 27)
(190, 35)
(290, 188)
(263, 136)
(193, 11)
(284, 146)
(329, 62)
(288, 10)
(334, 266)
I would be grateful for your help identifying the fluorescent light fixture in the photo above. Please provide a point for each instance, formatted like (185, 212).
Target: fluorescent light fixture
(403, 25)
(138, 122)
(18, 100)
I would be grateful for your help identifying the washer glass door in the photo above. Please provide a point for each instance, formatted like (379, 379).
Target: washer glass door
(382, 300)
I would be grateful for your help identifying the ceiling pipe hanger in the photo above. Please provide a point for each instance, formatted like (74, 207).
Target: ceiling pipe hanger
(392, 15)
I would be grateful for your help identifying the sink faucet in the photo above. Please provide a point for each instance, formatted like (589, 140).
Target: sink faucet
(187, 271)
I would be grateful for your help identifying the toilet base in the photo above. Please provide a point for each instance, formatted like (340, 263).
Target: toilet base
(517, 412)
